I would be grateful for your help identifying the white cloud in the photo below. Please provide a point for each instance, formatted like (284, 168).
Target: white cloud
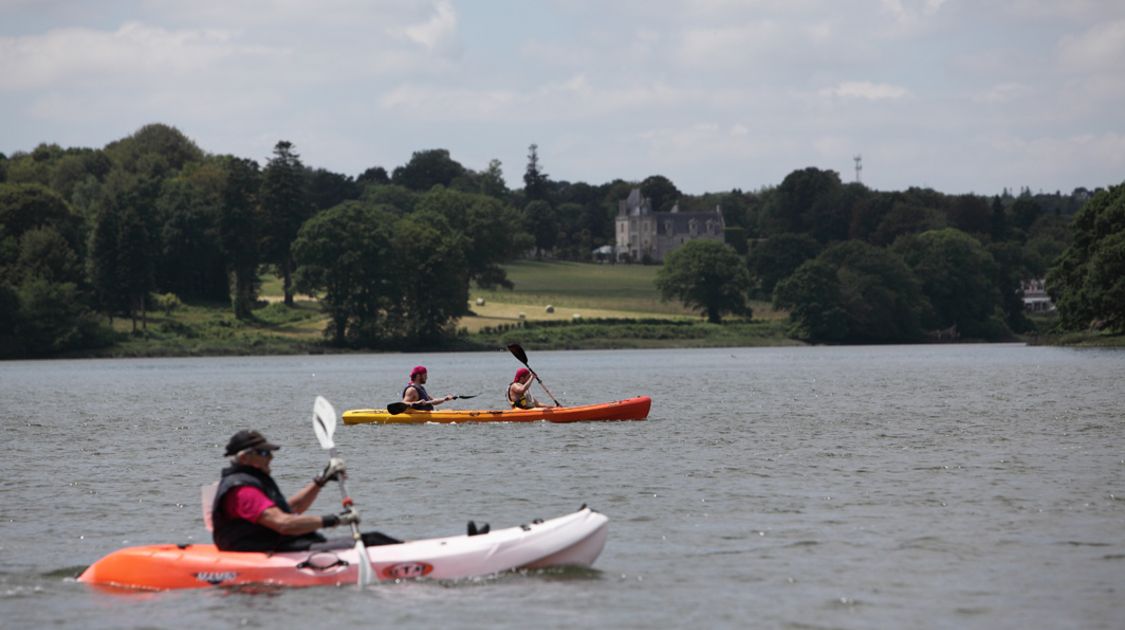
(438, 32)
(905, 15)
(866, 90)
(1101, 47)
(727, 46)
(91, 57)
(1002, 93)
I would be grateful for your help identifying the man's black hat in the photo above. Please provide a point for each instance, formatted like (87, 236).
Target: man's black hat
(248, 439)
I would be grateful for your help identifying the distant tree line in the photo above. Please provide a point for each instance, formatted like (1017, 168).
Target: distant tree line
(89, 235)
(855, 265)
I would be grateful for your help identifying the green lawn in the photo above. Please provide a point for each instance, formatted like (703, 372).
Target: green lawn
(599, 305)
(593, 290)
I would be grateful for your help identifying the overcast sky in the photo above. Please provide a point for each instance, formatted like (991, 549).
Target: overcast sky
(957, 95)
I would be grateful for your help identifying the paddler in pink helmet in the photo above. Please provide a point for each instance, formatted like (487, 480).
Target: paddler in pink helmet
(519, 391)
(415, 394)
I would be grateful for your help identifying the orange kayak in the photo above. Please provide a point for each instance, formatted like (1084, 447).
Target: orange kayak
(628, 409)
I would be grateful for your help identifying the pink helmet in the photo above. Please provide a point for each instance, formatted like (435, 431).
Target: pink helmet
(521, 373)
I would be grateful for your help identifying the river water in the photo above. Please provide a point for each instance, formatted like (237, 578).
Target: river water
(948, 486)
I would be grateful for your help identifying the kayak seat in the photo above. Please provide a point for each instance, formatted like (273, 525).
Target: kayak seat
(475, 531)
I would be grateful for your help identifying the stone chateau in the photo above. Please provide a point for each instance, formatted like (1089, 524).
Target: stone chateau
(647, 236)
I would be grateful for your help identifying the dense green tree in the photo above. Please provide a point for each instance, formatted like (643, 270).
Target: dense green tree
(534, 179)
(285, 207)
(813, 296)
(574, 240)
(907, 218)
(399, 199)
(11, 343)
(238, 230)
(135, 264)
(1046, 241)
(429, 257)
(1025, 211)
(773, 259)
(867, 214)
(102, 266)
(793, 204)
(426, 169)
(707, 276)
(662, 193)
(1087, 283)
(375, 175)
(34, 167)
(1011, 270)
(540, 221)
(53, 318)
(957, 275)
(492, 180)
(971, 214)
(44, 253)
(829, 217)
(343, 255)
(327, 189)
(493, 229)
(75, 167)
(155, 150)
(999, 224)
(25, 207)
(43, 306)
(191, 263)
(880, 298)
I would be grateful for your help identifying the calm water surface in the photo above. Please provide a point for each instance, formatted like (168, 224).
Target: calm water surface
(871, 487)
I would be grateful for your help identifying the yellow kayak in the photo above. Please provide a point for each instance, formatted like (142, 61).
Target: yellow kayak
(629, 409)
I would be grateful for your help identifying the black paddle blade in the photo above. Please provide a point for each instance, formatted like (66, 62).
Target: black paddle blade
(469, 396)
(396, 408)
(517, 351)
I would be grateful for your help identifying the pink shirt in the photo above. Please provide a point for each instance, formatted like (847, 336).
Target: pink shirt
(246, 502)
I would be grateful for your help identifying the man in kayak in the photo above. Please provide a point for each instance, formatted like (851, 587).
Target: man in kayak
(251, 514)
(415, 395)
(519, 391)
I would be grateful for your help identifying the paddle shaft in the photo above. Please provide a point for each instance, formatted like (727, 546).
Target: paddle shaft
(398, 407)
(346, 500)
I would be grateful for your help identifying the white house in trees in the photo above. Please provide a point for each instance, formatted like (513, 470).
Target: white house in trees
(644, 235)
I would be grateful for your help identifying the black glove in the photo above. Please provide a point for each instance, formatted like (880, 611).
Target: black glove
(344, 518)
(334, 470)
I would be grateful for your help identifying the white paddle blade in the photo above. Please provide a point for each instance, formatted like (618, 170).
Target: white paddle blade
(324, 422)
(366, 573)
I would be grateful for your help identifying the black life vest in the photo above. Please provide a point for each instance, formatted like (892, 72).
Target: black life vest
(238, 534)
(523, 402)
(422, 396)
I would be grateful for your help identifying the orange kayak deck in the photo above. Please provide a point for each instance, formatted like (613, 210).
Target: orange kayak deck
(629, 409)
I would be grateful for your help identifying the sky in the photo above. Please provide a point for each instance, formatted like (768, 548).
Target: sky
(956, 95)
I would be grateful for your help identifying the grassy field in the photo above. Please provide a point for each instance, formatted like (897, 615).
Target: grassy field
(592, 306)
(585, 290)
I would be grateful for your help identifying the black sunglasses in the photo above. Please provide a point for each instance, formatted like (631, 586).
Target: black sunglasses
(264, 452)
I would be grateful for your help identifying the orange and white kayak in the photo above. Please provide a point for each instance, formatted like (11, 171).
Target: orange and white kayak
(572, 540)
(629, 409)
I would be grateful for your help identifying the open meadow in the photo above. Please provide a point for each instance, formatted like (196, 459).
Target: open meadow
(552, 304)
